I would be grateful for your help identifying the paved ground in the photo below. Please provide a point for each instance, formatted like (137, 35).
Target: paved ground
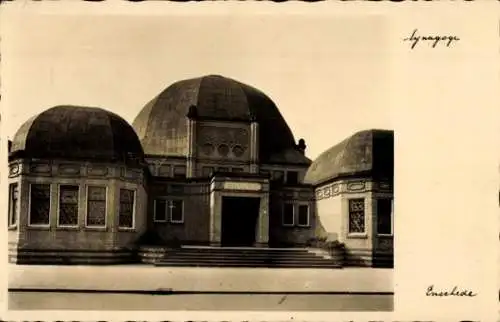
(127, 287)
(260, 302)
(143, 277)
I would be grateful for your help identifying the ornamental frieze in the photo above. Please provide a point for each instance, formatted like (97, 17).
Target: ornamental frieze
(131, 175)
(97, 171)
(14, 170)
(356, 186)
(42, 168)
(223, 142)
(328, 191)
(68, 169)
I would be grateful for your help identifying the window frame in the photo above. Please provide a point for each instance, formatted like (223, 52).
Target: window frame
(170, 208)
(134, 205)
(391, 212)
(154, 210)
(59, 206)
(283, 212)
(303, 204)
(13, 214)
(87, 208)
(47, 225)
(349, 232)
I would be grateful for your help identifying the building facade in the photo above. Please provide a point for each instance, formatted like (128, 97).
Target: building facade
(209, 161)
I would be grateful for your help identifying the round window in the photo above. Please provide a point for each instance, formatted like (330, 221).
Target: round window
(208, 148)
(223, 149)
(238, 151)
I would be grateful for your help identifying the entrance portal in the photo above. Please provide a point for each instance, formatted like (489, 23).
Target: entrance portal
(239, 221)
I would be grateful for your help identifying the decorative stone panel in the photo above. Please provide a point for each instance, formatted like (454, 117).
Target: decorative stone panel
(356, 186)
(328, 191)
(219, 142)
(249, 186)
(131, 173)
(68, 169)
(40, 168)
(98, 171)
(14, 170)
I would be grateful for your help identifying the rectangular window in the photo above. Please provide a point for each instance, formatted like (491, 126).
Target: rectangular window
(126, 214)
(356, 215)
(176, 211)
(384, 216)
(288, 215)
(160, 209)
(179, 171)
(68, 205)
(303, 218)
(292, 177)
(39, 204)
(207, 171)
(96, 206)
(13, 203)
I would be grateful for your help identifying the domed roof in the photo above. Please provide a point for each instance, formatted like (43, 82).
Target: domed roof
(75, 132)
(162, 125)
(367, 153)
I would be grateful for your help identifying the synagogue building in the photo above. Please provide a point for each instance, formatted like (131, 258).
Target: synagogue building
(208, 162)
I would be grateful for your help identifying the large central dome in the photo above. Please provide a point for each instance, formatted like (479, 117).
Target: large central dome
(162, 123)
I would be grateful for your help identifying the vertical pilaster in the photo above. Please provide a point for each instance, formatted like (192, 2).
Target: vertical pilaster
(54, 201)
(254, 146)
(215, 217)
(344, 218)
(262, 238)
(191, 155)
(112, 205)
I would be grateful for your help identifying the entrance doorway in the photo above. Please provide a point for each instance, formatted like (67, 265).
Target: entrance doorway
(239, 221)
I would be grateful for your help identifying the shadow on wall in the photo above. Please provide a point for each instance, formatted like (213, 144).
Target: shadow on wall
(152, 238)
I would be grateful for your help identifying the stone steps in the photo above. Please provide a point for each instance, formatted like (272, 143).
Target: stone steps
(234, 257)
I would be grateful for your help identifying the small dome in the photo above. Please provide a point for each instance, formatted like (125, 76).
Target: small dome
(75, 132)
(162, 123)
(366, 153)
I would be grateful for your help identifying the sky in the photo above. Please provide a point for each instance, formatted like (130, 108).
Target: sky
(327, 75)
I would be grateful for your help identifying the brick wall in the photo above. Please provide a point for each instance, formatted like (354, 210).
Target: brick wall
(196, 200)
(79, 238)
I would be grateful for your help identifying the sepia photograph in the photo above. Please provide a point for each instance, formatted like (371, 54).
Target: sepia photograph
(219, 163)
(156, 166)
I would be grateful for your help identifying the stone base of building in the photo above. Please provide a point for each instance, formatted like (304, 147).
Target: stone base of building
(368, 258)
(71, 257)
(154, 254)
(358, 257)
(383, 260)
